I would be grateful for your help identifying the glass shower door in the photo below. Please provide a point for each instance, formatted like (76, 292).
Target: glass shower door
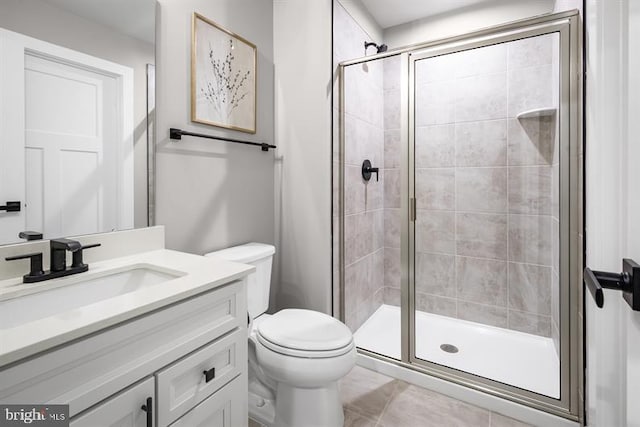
(484, 174)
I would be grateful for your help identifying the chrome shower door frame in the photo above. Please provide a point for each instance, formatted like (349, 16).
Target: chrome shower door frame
(567, 26)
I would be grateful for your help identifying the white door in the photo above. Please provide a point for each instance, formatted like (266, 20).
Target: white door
(123, 410)
(70, 160)
(65, 141)
(612, 207)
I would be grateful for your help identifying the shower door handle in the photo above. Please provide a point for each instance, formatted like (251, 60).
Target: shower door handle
(628, 282)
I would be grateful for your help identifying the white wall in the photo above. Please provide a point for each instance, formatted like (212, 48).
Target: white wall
(43, 21)
(464, 20)
(302, 54)
(212, 194)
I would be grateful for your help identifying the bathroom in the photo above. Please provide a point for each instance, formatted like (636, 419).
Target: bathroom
(442, 283)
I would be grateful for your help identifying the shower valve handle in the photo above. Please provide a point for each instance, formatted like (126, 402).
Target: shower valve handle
(367, 170)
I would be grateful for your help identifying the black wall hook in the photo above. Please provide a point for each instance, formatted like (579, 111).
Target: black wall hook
(628, 282)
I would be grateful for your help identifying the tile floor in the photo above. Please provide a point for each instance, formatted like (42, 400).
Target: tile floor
(371, 399)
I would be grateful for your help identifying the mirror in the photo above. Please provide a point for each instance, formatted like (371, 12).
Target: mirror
(76, 115)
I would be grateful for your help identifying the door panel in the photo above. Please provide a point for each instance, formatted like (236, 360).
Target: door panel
(71, 117)
(486, 171)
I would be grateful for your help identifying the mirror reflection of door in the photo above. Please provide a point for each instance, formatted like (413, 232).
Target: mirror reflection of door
(69, 158)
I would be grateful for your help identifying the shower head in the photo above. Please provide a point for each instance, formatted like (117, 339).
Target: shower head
(379, 49)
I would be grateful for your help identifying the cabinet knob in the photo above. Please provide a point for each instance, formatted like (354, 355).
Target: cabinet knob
(209, 375)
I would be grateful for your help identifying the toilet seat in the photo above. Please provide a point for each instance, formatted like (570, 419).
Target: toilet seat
(305, 333)
(308, 354)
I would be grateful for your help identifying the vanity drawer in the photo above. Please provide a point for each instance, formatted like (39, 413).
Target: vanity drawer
(226, 408)
(184, 384)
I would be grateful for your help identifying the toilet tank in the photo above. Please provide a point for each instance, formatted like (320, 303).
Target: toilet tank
(259, 255)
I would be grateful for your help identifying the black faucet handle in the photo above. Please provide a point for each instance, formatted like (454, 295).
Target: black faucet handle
(77, 261)
(367, 170)
(36, 264)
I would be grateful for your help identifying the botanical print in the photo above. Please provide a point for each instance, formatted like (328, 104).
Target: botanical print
(225, 80)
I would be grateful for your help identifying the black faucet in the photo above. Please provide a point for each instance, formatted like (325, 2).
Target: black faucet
(58, 261)
(58, 249)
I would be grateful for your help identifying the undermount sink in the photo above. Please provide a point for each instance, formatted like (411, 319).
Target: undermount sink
(78, 291)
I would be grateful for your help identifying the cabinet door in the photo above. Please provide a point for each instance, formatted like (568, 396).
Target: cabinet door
(122, 410)
(225, 408)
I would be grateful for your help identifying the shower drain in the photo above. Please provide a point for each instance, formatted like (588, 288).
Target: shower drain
(449, 348)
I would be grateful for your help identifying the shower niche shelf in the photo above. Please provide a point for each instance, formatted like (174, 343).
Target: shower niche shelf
(537, 112)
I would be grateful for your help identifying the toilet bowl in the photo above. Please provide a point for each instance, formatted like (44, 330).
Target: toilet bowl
(296, 356)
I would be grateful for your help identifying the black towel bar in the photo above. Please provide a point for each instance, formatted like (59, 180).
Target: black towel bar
(177, 134)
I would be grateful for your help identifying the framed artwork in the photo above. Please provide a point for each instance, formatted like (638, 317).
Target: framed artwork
(223, 77)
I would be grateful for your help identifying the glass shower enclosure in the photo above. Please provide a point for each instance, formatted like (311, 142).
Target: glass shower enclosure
(456, 252)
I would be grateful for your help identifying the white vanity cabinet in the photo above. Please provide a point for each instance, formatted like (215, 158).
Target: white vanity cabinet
(189, 358)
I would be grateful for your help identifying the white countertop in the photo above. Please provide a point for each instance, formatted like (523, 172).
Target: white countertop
(198, 274)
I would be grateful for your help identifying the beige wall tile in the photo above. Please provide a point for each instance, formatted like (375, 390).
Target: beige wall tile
(435, 146)
(435, 274)
(435, 232)
(481, 97)
(530, 288)
(392, 188)
(481, 143)
(436, 69)
(485, 314)
(530, 190)
(392, 149)
(481, 189)
(392, 296)
(484, 60)
(481, 235)
(392, 267)
(435, 188)
(531, 51)
(482, 280)
(437, 305)
(530, 323)
(530, 239)
(435, 103)
(530, 88)
(392, 224)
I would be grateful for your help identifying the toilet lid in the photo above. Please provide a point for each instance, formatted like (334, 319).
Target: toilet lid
(305, 330)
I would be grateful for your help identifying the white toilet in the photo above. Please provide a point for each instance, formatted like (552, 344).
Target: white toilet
(296, 357)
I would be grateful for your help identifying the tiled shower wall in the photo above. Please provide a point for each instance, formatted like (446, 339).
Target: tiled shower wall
(487, 228)
(487, 224)
(364, 215)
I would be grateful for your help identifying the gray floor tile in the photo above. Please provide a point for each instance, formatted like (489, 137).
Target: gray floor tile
(371, 399)
(498, 420)
(353, 419)
(366, 392)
